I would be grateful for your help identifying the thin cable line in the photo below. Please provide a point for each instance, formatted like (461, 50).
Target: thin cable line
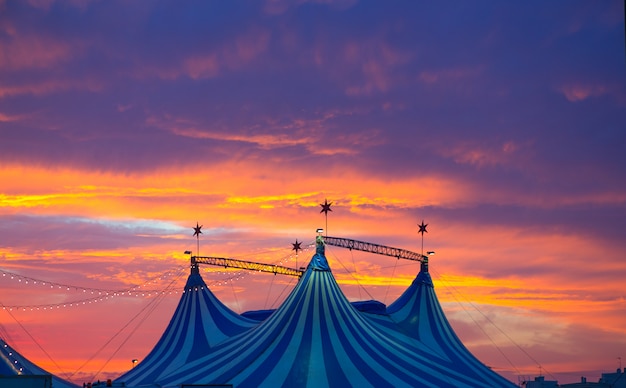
(493, 324)
(38, 345)
(268, 292)
(350, 273)
(153, 305)
(355, 271)
(235, 294)
(121, 330)
(281, 293)
(393, 273)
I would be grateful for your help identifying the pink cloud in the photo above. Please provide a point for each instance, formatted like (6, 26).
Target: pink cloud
(364, 66)
(238, 53)
(577, 92)
(448, 75)
(33, 52)
(482, 155)
(4, 118)
(377, 61)
(271, 133)
(265, 141)
(278, 7)
(251, 44)
(52, 86)
(247, 47)
(41, 4)
(124, 107)
(202, 67)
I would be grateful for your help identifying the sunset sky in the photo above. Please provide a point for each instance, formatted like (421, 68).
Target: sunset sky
(502, 125)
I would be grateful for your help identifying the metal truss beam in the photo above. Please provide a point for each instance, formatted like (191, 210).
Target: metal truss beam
(375, 248)
(249, 265)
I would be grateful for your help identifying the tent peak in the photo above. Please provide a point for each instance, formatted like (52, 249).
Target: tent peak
(318, 261)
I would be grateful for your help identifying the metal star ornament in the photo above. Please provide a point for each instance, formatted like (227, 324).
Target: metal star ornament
(422, 227)
(196, 230)
(326, 207)
(296, 246)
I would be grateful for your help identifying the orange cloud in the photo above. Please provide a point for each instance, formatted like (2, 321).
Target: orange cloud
(307, 133)
(265, 141)
(175, 194)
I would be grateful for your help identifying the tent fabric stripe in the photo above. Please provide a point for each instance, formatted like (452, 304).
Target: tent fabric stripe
(420, 304)
(199, 322)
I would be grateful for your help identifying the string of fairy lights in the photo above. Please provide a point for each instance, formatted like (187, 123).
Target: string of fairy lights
(103, 294)
(69, 287)
(145, 290)
(95, 294)
(98, 295)
(13, 361)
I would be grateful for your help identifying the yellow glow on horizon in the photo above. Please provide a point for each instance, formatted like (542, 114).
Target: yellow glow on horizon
(252, 209)
(362, 279)
(63, 188)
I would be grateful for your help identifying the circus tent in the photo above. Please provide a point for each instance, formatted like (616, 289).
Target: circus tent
(315, 338)
(200, 322)
(12, 363)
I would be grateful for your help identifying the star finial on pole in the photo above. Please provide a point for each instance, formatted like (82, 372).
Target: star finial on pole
(297, 246)
(422, 230)
(325, 209)
(197, 232)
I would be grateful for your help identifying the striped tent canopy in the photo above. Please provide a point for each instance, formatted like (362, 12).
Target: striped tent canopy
(200, 322)
(317, 338)
(418, 314)
(12, 363)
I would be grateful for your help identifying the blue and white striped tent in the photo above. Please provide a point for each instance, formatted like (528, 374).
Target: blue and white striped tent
(199, 322)
(315, 338)
(12, 363)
